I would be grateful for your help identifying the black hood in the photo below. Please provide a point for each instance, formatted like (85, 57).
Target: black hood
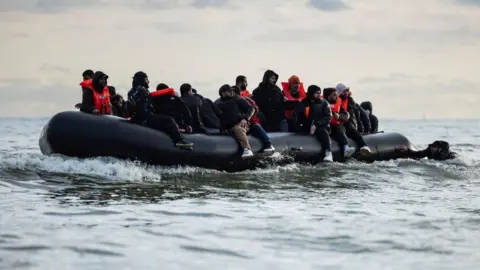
(139, 79)
(95, 81)
(269, 73)
(312, 89)
(367, 105)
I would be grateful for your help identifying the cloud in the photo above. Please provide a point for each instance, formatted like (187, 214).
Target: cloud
(46, 6)
(469, 2)
(328, 5)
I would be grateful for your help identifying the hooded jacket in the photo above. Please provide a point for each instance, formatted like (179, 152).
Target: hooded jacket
(319, 112)
(270, 101)
(87, 94)
(368, 109)
(210, 113)
(234, 109)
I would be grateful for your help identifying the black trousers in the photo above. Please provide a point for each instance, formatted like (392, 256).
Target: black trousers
(165, 124)
(341, 132)
(321, 133)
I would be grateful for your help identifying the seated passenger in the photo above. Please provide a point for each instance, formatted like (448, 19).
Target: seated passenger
(368, 108)
(236, 112)
(294, 93)
(438, 150)
(96, 97)
(141, 107)
(167, 103)
(86, 75)
(254, 124)
(339, 119)
(358, 117)
(119, 106)
(312, 115)
(241, 83)
(270, 102)
(209, 112)
(194, 104)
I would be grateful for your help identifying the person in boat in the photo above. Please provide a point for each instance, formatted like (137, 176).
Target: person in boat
(340, 126)
(96, 97)
(438, 150)
(119, 106)
(312, 116)
(294, 92)
(167, 103)
(86, 75)
(254, 125)
(236, 113)
(210, 113)
(194, 104)
(140, 105)
(368, 108)
(242, 84)
(270, 101)
(358, 118)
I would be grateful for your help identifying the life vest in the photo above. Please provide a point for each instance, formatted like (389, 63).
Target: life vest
(307, 112)
(344, 104)
(288, 95)
(335, 108)
(163, 92)
(101, 101)
(244, 93)
(254, 119)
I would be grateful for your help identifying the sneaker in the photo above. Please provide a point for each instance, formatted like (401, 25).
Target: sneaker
(365, 150)
(247, 153)
(349, 151)
(183, 144)
(328, 156)
(269, 148)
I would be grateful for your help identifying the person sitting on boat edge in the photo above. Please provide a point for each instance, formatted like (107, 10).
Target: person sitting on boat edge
(254, 124)
(294, 93)
(438, 150)
(141, 108)
(96, 96)
(368, 108)
(358, 118)
(339, 118)
(86, 75)
(194, 105)
(167, 103)
(312, 116)
(209, 112)
(236, 112)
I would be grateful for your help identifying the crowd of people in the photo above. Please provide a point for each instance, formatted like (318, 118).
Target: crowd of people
(331, 112)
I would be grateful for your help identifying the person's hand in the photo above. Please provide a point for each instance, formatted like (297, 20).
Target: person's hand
(313, 128)
(244, 123)
(95, 111)
(189, 129)
(336, 115)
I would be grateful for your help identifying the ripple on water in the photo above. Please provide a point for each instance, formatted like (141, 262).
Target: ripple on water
(190, 214)
(94, 251)
(87, 213)
(215, 251)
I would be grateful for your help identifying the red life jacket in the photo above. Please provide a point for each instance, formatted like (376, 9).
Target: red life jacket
(287, 93)
(101, 101)
(163, 92)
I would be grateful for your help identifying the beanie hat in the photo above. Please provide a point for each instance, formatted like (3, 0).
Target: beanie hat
(341, 88)
(327, 92)
(293, 79)
(312, 89)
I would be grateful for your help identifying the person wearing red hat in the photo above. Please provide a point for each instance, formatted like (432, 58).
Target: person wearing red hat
(294, 93)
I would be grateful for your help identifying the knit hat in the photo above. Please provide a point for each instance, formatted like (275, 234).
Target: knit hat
(341, 88)
(312, 89)
(327, 92)
(293, 79)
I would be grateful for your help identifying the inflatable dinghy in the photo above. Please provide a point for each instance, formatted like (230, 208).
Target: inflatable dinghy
(77, 134)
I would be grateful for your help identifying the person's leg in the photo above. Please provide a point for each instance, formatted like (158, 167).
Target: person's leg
(283, 126)
(323, 137)
(240, 134)
(351, 132)
(260, 133)
(167, 124)
(338, 133)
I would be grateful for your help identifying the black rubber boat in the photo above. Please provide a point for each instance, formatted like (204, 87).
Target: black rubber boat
(77, 134)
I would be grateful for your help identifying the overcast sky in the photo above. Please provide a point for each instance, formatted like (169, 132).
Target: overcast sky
(412, 59)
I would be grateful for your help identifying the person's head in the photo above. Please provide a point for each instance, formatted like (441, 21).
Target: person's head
(99, 80)
(186, 90)
(439, 150)
(87, 74)
(161, 86)
(112, 90)
(367, 106)
(270, 77)
(241, 82)
(343, 91)
(117, 100)
(140, 79)
(330, 95)
(230, 92)
(236, 90)
(314, 92)
(194, 91)
(294, 84)
(223, 88)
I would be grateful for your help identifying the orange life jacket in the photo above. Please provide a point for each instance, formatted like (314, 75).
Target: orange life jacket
(244, 93)
(335, 108)
(344, 104)
(163, 92)
(287, 93)
(307, 112)
(101, 101)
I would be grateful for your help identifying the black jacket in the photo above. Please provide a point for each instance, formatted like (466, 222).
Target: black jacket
(174, 107)
(358, 117)
(234, 109)
(319, 114)
(270, 101)
(139, 103)
(194, 104)
(210, 113)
